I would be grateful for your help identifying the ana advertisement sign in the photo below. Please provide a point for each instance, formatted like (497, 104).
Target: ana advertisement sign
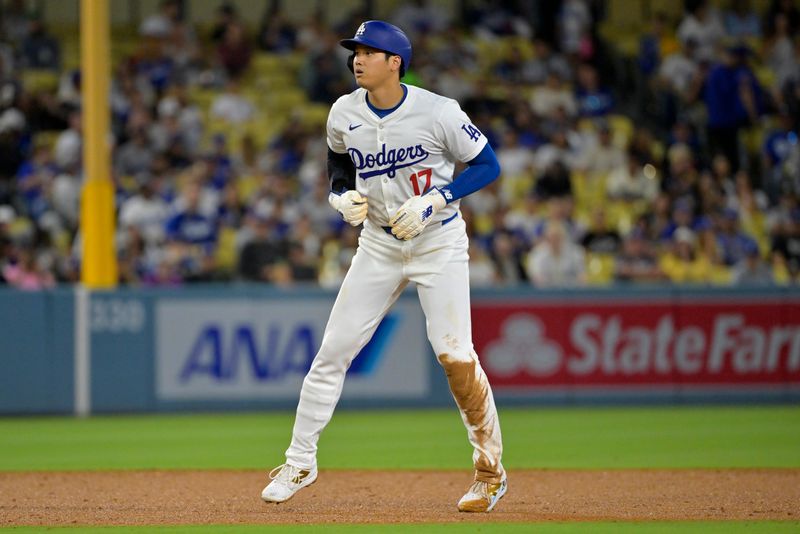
(239, 349)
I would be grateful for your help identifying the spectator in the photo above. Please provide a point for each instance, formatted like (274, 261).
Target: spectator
(675, 78)
(601, 238)
(752, 270)
(732, 96)
(554, 182)
(683, 216)
(701, 24)
(160, 25)
(303, 235)
(450, 83)
(722, 176)
(134, 156)
(191, 233)
(655, 45)
(182, 47)
(323, 78)
(732, 242)
(189, 118)
(39, 49)
(68, 147)
(637, 263)
(575, 22)
(554, 94)
(593, 99)
(26, 272)
(786, 8)
(516, 163)
(497, 19)
(601, 156)
(260, 255)
(683, 263)
(786, 242)
(546, 61)
(779, 51)
(556, 261)
(786, 92)
(14, 18)
(34, 180)
(65, 198)
(774, 156)
(231, 106)
(302, 267)
(145, 212)
(153, 65)
(681, 182)
(12, 134)
(562, 148)
(633, 181)
(231, 211)
(749, 202)
(507, 259)
(421, 17)
(275, 33)
(225, 15)
(741, 22)
(235, 51)
(481, 267)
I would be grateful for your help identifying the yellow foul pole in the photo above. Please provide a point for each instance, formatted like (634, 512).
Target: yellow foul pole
(98, 261)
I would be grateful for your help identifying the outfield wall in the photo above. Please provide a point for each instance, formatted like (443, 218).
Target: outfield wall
(248, 347)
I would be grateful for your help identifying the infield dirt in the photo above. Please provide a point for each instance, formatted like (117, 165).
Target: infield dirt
(233, 497)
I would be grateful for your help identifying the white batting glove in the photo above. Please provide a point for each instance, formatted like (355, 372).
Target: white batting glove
(351, 205)
(416, 213)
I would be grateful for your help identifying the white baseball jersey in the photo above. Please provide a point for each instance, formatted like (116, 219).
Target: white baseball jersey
(405, 153)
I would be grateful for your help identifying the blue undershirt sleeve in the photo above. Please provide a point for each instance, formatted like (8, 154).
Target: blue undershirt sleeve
(482, 170)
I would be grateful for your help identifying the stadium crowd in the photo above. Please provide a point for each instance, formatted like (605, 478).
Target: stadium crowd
(673, 159)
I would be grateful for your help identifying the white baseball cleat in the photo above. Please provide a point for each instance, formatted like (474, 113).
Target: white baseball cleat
(482, 496)
(286, 481)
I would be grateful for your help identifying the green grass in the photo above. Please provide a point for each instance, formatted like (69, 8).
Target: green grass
(533, 438)
(717, 527)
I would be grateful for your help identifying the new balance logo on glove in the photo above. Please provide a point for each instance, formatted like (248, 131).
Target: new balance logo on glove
(416, 213)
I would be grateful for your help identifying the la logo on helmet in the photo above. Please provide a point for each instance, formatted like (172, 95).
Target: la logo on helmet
(361, 29)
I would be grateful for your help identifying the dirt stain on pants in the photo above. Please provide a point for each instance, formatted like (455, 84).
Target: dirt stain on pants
(473, 395)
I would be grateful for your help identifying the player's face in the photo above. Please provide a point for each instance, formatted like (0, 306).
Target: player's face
(372, 68)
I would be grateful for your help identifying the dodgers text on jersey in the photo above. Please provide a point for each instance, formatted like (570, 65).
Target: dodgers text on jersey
(387, 161)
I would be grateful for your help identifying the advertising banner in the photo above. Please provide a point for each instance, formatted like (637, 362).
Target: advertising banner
(238, 349)
(617, 342)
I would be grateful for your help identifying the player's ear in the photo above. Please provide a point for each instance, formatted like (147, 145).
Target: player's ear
(350, 59)
(398, 62)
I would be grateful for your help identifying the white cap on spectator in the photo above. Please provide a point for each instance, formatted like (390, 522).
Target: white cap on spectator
(155, 26)
(7, 214)
(12, 119)
(684, 235)
(168, 107)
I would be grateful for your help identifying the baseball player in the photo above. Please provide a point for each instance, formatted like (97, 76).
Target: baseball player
(392, 151)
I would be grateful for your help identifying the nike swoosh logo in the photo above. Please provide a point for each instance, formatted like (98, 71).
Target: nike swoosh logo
(354, 127)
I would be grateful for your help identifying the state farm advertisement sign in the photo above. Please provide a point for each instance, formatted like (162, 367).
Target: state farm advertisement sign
(636, 342)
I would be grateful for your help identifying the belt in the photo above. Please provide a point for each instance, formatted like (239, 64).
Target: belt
(388, 229)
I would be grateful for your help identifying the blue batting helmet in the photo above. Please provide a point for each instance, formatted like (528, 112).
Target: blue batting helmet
(383, 36)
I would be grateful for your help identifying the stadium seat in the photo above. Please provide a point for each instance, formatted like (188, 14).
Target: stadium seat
(40, 80)
(622, 129)
(721, 275)
(226, 254)
(315, 115)
(599, 268)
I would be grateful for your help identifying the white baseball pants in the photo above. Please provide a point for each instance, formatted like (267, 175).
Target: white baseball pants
(437, 262)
